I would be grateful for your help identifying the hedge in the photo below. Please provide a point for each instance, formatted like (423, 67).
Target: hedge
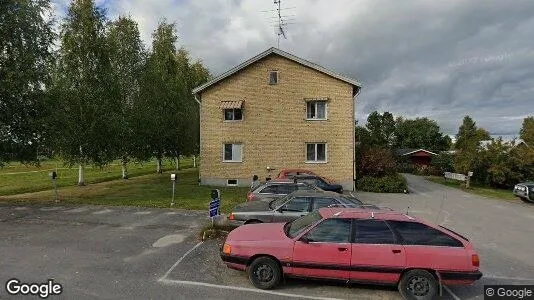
(388, 184)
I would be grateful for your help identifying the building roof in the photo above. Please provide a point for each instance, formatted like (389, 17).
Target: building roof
(355, 83)
(410, 151)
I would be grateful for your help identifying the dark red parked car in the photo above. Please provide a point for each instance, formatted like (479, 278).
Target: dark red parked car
(354, 245)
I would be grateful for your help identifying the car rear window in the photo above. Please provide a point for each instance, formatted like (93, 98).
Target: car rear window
(414, 233)
(320, 202)
(373, 232)
(350, 201)
(270, 189)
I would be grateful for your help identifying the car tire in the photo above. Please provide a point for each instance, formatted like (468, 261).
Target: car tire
(418, 285)
(264, 273)
(526, 200)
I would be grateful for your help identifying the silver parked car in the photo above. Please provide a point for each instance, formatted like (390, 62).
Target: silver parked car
(525, 191)
(290, 207)
(278, 188)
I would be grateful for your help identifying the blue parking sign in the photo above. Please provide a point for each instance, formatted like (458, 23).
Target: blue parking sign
(215, 204)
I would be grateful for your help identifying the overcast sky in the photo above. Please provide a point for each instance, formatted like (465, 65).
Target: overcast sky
(436, 59)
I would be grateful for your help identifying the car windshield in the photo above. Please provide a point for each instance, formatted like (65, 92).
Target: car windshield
(278, 202)
(293, 228)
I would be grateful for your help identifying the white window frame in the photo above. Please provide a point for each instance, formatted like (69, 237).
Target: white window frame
(232, 184)
(315, 103)
(232, 161)
(277, 77)
(234, 120)
(315, 150)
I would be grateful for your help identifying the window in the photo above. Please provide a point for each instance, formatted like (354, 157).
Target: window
(323, 202)
(233, 114)
(414, 233)
(233, 153)
(297, 204)
(231, 182)
(292, 229)
(305, 187)
(330, 231)
(373, 232)
(273, 77)
(316, 153)
(286, 188)
(270, 189)
(316, 110)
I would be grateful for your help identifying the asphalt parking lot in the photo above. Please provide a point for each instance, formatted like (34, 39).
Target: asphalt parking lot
(99, 252)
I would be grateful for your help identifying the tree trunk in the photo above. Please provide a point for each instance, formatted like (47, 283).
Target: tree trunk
(81, 178)
(124, 169)
(159, 166)
(177, 161)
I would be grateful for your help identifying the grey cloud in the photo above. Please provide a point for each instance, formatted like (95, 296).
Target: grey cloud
(443, 60)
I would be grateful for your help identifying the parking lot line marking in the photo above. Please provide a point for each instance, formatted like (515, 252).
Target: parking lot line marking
(451, 293)
(244, 289)
(179, 261)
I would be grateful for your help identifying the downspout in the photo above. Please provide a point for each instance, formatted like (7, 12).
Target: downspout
(199, 132)
(354, 138)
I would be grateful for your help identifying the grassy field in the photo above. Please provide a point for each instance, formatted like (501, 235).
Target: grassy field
(154, 190)
(478, 190)
(16, 178)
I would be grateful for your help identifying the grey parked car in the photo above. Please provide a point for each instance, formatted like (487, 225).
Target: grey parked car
(525, 191)
(278, 189)
(291, 207)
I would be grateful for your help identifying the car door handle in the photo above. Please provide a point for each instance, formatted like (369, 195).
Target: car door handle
(342, 249)
(396, 251)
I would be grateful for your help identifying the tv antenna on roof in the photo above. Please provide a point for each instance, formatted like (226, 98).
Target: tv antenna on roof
(280, 27)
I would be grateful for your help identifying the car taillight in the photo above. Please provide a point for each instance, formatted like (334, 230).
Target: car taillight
(231, 217)
(250, 197)
(227, 249)
(475, 260)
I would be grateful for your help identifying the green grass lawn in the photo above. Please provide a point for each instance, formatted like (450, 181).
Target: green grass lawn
(478, 190)
(17, 178)
(154, 190)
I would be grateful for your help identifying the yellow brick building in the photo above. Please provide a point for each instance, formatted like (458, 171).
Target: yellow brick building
(276, 111)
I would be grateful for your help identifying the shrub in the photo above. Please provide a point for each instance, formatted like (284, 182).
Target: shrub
(378, 162)
(395, 183)
(443, 162)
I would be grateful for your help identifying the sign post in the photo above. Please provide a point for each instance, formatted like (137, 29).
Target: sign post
(215, 204)
(173, 179)
(53, 176)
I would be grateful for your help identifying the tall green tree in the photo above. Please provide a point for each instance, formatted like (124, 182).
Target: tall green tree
(420, 133)
(127, 56)
(25, 59)
(467, 145)
(160, 108)
(527, 131)
(87, 106)
(381, 128)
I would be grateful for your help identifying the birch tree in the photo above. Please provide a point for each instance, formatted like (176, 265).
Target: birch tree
(87, 103)
(127, 57)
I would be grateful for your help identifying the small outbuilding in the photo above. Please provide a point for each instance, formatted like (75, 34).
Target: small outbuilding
(417, 157)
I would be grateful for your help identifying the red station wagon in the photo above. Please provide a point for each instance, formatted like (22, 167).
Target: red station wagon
(354, 245)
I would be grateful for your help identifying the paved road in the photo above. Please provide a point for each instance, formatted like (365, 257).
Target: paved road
(99, 252)
(502, 231)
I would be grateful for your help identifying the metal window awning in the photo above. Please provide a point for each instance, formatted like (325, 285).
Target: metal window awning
(231, 104)
(316, 99)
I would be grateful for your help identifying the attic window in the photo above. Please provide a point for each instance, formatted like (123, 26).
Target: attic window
(273, 77)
